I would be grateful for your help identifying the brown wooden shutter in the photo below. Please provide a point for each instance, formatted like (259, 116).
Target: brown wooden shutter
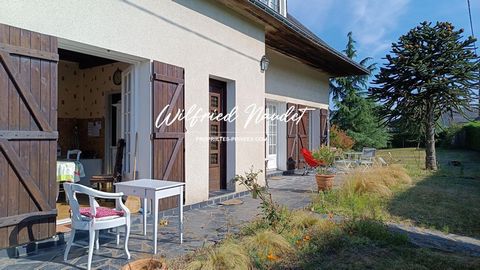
(324, 126)
(28, 136)
(168, 141)
(297, 136)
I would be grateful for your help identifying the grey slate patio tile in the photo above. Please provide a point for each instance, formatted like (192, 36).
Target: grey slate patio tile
(202, 227)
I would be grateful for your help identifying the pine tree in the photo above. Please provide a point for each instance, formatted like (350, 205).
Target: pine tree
(355, 114)
(431, 71)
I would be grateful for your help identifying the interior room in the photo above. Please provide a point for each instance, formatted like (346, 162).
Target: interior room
(90, 113)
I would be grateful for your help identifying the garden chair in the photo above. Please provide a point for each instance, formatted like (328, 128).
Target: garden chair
(310, 162)
(345, 162)
(96, 218)
(381, 161)
(367, 157)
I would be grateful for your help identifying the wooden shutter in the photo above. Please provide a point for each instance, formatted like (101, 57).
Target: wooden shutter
(324, 126)
(297, 136)
(28, 136)
(168, 141)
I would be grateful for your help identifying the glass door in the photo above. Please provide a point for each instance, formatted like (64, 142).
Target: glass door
(272, 137)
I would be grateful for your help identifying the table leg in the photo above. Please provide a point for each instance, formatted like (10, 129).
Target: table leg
(145, 207)
(155, 224)
(180, 215)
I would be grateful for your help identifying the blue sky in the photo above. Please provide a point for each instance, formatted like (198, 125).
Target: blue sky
(377, 23)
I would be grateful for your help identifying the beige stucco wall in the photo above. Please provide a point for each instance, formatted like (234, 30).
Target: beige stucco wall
(200, 36)
(289, 80)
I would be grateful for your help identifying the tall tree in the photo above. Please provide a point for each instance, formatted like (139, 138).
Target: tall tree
(354, 113)
(431, 70)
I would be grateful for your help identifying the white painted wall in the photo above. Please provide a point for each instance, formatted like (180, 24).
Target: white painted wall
(295, 81)
(201, 36)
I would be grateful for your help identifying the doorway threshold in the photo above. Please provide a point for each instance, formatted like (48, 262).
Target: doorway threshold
(273, 173)
(221, 192)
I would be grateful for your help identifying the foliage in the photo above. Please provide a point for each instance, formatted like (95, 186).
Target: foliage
(340, 139)
(267, 246)
(447, 138)
(341, 87)
(364, 194)
(326, 157)
(272, 213)
(355, 114)
(228, 255)
(431, 71)
(472, 135)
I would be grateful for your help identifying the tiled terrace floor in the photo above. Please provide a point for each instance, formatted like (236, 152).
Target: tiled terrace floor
(202, 227)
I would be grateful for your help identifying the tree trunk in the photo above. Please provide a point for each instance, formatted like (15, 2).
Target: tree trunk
(431, 156)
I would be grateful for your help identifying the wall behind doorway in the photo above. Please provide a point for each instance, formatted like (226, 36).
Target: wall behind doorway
(81, 99)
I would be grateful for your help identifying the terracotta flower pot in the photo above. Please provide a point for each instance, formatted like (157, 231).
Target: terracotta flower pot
(146, 264)
(324, 181)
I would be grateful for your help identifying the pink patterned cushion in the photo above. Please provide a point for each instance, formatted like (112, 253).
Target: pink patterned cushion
(101, 212)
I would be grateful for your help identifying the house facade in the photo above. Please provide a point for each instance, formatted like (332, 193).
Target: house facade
(83, 74)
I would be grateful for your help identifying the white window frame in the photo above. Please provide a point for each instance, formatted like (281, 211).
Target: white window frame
(128, 103)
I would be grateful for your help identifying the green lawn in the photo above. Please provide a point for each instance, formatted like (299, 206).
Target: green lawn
(447, 200)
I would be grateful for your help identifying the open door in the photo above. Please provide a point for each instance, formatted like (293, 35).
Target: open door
(168, 141)
(28, 135)
(272, 137)
(297, 136)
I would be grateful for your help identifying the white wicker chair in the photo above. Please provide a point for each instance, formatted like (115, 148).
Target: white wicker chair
(92, 223)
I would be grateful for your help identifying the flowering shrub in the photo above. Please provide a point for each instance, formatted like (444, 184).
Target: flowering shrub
(340, 139)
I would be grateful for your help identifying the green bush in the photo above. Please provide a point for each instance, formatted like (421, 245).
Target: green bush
(472, 135)
(448, 138)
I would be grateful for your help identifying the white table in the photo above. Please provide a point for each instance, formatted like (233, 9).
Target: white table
(151, 189)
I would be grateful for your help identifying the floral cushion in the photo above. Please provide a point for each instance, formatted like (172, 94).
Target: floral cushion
(101, 212)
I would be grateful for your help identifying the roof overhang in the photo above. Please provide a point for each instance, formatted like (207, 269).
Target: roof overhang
(282, 35)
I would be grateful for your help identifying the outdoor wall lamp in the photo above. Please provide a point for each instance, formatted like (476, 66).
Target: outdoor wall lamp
(264, 62)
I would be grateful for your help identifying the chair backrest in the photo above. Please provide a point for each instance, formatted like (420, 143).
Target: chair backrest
(74, 152)
(307, 155)
(71, 190)
(368, 152)
(118, 167)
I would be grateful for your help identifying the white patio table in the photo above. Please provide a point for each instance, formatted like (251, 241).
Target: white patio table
(151, 189)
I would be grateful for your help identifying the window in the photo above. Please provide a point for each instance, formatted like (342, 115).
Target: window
(273, 4)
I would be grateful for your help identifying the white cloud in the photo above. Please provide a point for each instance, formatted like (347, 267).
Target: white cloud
(372, 20)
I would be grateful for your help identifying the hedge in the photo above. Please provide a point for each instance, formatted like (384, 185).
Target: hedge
(472, 135)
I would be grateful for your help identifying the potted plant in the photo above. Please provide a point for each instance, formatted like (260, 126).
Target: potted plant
(325, 156)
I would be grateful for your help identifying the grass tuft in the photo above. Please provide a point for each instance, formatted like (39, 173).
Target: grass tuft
(268, 245)
(302, 220)
(228, 255)
(378, 180)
